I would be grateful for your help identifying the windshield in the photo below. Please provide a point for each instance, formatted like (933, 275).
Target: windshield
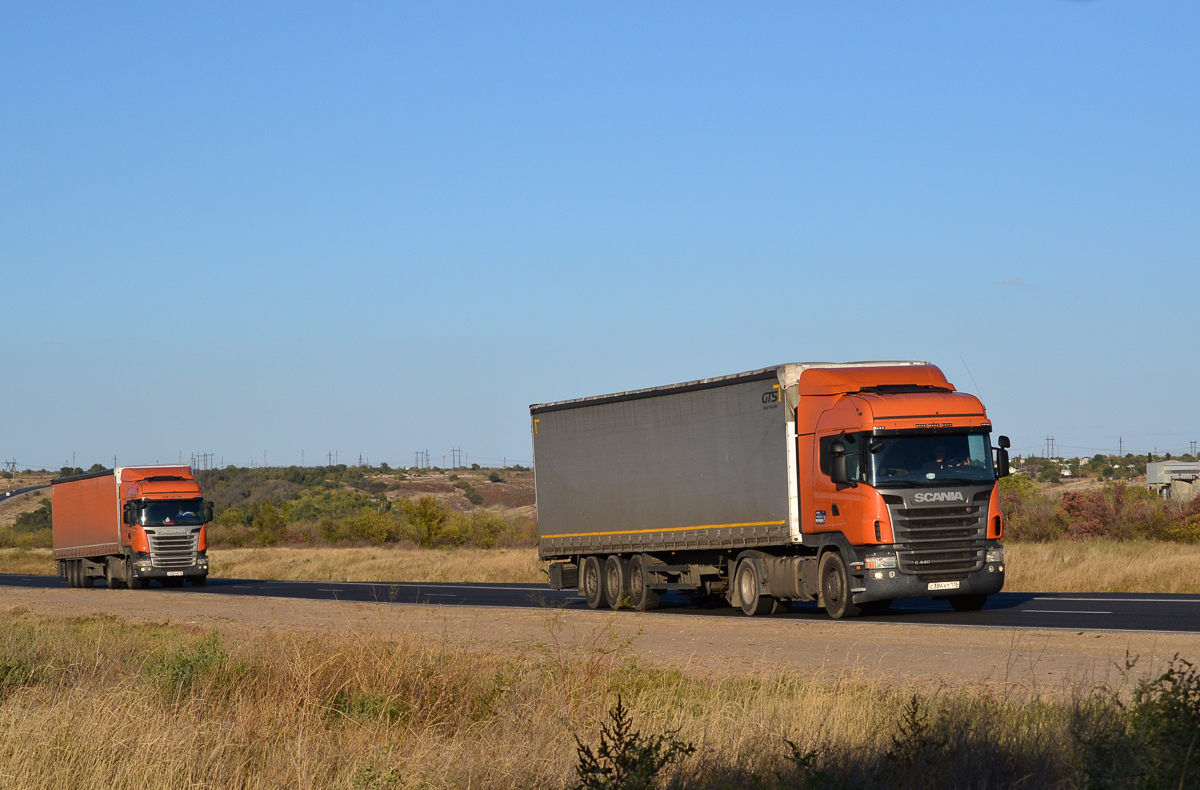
(178, 512)
(930, 460)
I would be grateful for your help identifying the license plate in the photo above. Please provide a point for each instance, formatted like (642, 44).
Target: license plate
(943, 586)
(180, 573)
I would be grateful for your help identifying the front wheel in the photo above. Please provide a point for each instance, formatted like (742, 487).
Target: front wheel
(198, 581)
(835, 587)
(968, 603)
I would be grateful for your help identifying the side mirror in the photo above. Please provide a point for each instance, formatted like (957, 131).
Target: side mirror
(208, 512)
(837, 463)
(127, 516)
(1002, 469)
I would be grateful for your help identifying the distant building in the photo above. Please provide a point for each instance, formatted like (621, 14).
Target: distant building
(1173, 479)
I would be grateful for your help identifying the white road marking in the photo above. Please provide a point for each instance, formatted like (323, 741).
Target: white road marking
(1060, 611)
(1119, 600)
(327, 589)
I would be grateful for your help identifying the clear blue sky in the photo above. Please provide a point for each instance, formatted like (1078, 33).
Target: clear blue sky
(382, 228)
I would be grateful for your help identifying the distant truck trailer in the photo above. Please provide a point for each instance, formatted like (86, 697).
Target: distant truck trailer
(851, 484)
(130, 525)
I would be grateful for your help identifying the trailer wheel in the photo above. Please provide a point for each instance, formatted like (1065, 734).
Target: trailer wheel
(835, 587)
(641, 596)
(70, 573)
(968, 603)
(593, 583)
(616, 582)
(747, 589)
(84, 579)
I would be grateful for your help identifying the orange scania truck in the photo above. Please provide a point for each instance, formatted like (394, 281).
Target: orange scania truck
(130, 525)
(851, 484)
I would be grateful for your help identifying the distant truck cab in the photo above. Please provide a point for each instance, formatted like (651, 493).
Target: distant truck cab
(850, 484)
(130, 525)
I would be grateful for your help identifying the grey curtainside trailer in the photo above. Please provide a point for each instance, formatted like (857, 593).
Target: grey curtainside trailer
(671, 488)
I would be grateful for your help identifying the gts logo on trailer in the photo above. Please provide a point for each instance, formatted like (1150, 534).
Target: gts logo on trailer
(940, 496)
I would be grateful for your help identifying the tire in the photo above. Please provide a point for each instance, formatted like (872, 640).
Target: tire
(198, 581)
(72, 579)
(642, 597)
(751, 602)
(616, 582)
(876, 607)
(968, 603)
(131, 578)
(593, 583)
(115, 582)
(835, 587)
(85, 581)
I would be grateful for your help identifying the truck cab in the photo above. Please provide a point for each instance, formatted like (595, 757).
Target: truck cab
(163, 517)
(903, 483)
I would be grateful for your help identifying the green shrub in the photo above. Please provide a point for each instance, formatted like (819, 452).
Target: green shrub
(35, 520)
(625, 759)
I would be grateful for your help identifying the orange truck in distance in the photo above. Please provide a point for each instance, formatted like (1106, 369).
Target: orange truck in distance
(849, 484)
(131, 525)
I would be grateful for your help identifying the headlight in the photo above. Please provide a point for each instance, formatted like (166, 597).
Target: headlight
(884, 561)
(995, 555)
(144, 565)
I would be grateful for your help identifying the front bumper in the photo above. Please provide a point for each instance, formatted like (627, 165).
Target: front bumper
(892, 584)
(143, 568)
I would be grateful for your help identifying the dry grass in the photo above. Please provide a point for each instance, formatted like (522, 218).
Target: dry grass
(100, 703)
(31, 561)
(379, 564)
(1103, 566)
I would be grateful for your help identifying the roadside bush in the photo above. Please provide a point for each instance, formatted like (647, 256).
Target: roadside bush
(1030, 514)
(35, 520)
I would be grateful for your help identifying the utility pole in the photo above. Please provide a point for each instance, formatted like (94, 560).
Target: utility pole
(1193, 452)
(302, 458)
(1121, 447)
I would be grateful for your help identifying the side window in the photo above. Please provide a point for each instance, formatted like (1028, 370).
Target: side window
(853, 455)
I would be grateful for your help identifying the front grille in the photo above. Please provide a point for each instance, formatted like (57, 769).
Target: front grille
(940, 543)
(172, 551)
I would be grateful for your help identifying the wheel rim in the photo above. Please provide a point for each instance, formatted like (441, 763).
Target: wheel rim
(614, 581)
(747, 587)
(591, 580)
(833, 586)
(636, 582)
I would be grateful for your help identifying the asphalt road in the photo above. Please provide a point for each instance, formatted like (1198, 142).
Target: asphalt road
(1072, 611)
(6, 495)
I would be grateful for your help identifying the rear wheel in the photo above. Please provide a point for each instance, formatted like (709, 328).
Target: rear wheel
(72, 580)
(968, 603)
(835, 587)
(641, 596)
(84, 579)
(616, 581)
(112, 575)
(747, 589)
(593, 583)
